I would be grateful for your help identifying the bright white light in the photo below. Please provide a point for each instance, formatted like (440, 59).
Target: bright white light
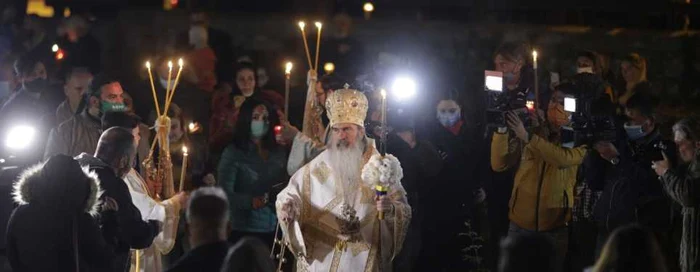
(20, 137)
(570, 104)
(54, 48)
(288, 68)
(404, 87)
(329, 67)
(494, 83)
(368, 7)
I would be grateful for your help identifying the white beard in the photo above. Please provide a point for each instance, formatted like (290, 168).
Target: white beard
(346, 162)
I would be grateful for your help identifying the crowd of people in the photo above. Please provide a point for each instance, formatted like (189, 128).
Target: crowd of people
(516, 195)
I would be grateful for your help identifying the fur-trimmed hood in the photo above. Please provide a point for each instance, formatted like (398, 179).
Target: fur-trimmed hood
(59, 184)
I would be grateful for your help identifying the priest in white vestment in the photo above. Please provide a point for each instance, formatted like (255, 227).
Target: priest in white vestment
(166, 212)
(338, 213)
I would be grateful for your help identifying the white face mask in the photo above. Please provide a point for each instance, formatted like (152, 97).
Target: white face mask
(198, 36)
(581, 70)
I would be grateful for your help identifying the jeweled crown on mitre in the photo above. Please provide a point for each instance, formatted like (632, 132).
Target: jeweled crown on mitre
(347, 106)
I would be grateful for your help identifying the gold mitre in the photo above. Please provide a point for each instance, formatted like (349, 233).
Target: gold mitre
(347, 106)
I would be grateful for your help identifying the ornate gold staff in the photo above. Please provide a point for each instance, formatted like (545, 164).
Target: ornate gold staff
(163, 171)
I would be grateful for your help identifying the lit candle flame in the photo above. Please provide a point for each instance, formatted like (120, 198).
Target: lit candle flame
(329, 67)
(54, 48)
(191, 126)
(368, 7)
(148, 64)
(184, 150)
(319, 24)
(302, 25)
(383, 93)
(534, 59)
(170, 64)
(180, 62)
(288, 68)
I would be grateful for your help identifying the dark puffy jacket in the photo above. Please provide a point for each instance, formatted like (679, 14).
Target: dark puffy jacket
(57, 202)
(631, 189)
(134, 232)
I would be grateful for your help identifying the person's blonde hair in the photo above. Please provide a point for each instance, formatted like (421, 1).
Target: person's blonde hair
(631, 248)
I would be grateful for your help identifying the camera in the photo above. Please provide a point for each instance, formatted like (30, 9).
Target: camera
(499, 102)
(592, 112)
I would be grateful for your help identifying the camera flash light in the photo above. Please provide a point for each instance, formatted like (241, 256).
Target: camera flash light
(493, 81)
(570, 104)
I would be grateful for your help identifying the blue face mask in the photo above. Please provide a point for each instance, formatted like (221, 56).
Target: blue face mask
(448, 119)
(258, 129)
(634, 132)
(508, 76)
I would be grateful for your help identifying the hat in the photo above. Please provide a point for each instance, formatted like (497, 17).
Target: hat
(347, 106)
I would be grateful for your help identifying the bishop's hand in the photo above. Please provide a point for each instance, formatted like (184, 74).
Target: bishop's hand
(289, 208)
(311, 76)
(384, 204)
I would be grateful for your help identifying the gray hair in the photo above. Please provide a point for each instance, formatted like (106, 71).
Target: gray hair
(209, 206)
(689, 128)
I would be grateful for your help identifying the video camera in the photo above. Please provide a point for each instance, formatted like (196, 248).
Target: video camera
(500, 102)
(592, 112)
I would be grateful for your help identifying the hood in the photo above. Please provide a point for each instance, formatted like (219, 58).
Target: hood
(60, 184)
(86, 159)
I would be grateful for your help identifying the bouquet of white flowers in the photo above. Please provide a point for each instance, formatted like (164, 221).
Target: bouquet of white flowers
(381, 172)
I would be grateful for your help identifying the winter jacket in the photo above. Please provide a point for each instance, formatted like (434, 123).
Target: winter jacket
(134, 232)
(630, 189)
(63, 113)
(205, 258)
(543, 192)
(244, 175)
(420, 164)
(77, 135)
(463, 168)
(682, 185)
(56, 209)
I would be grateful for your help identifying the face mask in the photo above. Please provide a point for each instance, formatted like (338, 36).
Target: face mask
(258, 128)
(175, 135)
(198, 36)
(581, 70)
(106, 106)
(557, 116)
(508, 76)
(36, 85)
(164, 83)
(634, 132)
(448, 119)
(4, 88)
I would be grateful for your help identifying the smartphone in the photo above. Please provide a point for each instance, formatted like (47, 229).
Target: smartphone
(554, 78)
(493, 81)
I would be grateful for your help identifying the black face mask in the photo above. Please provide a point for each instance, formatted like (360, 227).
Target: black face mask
(36, 86)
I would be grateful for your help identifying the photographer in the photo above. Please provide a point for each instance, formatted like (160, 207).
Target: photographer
(542, 194)
(631, 191)
(680, 183)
